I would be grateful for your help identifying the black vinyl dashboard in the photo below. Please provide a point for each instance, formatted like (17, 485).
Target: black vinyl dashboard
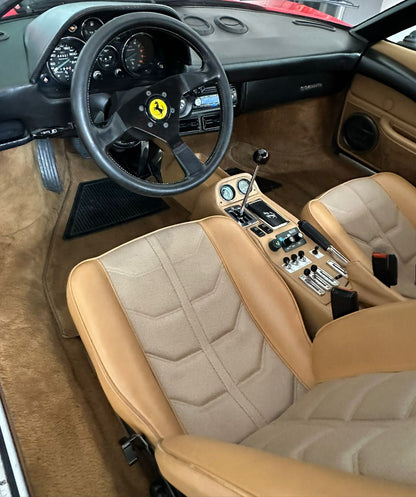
(269, 58)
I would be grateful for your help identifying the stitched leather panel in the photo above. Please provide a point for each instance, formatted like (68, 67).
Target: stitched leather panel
(219, 373)
(364, 425)
(375, 223)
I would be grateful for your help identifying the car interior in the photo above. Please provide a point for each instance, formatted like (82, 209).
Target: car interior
(208, 248)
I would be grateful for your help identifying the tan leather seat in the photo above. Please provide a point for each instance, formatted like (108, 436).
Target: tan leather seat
(199, 344)
(372, 214)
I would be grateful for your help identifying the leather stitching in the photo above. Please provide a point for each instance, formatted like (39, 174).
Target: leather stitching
(196, 326)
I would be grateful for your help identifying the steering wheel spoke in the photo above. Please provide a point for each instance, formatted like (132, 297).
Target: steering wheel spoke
(111, 132)
(189, 162)
(188, 81)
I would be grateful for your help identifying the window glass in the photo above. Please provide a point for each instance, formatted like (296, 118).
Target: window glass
(345, 12)
(406, 38)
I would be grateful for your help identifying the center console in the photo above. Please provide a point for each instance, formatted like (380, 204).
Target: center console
(308, 270)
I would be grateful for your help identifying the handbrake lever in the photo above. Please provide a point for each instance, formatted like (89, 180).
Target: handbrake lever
(321, 240)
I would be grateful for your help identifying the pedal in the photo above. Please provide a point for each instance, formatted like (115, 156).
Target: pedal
(47, 166)
(80, 148)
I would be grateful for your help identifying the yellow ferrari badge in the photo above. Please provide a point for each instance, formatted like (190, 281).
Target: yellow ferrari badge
(158, 109)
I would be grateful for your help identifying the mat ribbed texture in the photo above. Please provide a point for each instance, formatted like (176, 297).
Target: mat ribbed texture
(101, 204)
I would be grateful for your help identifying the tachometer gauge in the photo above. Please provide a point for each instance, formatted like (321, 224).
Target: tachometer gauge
(243, 185)
(108, 58)
(90, 26)
(138, 53)
(62, 60)
(227, 192)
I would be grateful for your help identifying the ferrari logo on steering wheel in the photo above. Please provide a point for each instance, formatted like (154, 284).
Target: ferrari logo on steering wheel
(157, 109)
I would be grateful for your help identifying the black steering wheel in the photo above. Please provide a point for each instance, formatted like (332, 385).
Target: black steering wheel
(153, 111)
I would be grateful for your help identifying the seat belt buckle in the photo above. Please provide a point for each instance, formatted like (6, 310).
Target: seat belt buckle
(343, 301)
(385, 268)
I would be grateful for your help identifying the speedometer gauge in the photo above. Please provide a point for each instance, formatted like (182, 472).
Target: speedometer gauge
(62, 60)
(138, 53)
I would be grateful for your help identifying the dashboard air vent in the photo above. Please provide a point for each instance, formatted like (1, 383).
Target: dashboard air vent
(189, 125)
(360, 132)
(211, 122)
(231, 25)
(201, 26)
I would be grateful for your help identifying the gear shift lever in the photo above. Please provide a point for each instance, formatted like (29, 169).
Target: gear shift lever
(260, 157)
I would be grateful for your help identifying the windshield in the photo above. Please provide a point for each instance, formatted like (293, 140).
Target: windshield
(344, 12)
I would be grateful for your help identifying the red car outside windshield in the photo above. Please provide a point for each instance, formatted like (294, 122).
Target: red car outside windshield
(287, 7)
(283, 6)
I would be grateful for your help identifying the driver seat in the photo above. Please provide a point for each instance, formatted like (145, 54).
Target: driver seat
(200, 346)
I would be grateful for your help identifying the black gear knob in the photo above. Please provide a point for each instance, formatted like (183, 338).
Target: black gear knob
(261, 156)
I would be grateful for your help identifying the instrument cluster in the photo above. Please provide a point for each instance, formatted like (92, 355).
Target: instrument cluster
(131, 55)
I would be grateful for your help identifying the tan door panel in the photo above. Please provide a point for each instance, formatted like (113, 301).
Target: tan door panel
(401, 54)
(394, 115)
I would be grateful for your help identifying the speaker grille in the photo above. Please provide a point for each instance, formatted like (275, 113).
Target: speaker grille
(201, 26)
(360, 133)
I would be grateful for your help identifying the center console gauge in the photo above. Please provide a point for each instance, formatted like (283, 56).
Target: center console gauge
(227, 192)
(243, 185)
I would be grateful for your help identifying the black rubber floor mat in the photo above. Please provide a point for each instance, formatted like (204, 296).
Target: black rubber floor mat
(101, 204)
(265, 185)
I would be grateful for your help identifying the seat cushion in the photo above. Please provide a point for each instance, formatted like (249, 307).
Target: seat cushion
(207, 340)
(364, 425)
(372, 215)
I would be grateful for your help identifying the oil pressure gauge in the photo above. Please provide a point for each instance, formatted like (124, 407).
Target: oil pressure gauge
(243, 185)
(227, 192)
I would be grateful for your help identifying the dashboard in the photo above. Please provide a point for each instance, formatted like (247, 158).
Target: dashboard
(272, 60)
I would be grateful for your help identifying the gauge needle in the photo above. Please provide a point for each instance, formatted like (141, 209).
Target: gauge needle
(62, 64)
(132, 56)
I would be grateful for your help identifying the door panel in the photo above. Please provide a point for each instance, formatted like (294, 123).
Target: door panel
(392, 113)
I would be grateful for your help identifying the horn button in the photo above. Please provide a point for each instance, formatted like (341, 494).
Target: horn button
(158, 108)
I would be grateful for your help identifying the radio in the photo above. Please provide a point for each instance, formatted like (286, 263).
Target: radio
(197, 110)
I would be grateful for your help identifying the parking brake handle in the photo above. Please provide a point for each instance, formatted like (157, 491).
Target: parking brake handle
(319, 239)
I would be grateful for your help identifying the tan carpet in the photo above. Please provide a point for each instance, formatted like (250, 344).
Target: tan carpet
(66, 429)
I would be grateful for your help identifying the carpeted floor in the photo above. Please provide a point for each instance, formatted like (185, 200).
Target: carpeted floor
(67, 431)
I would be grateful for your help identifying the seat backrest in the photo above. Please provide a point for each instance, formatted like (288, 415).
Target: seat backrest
(191, 330)
(368, 215)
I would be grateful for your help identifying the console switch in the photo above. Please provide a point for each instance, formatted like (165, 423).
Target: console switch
(258, 231)
(265, 228)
